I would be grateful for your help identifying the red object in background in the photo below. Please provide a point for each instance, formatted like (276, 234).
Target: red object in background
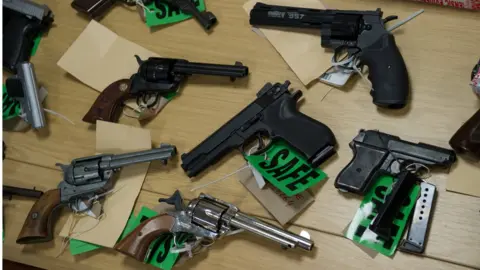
(467, 4)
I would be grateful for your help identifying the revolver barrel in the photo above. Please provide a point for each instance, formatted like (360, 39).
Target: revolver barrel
(233, 71)
(164, 152)
(283, 237)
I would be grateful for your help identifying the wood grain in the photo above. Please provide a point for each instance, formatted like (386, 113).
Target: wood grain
(439, 48)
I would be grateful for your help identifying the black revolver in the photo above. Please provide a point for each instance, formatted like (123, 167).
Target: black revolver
(362, 33)
(273, 114)
(376, 152)
(156, 76)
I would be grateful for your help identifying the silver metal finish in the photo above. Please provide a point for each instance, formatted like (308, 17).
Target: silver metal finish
(417, 233)
(221, 218)
(28, 8)
(30, 102)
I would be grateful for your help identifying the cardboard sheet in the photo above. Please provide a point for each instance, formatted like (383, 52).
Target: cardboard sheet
(300, 48)
(114, 139)
(99, 57)
(282, 208)
(465, 178)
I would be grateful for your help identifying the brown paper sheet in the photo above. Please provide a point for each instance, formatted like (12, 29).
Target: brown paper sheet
(282, 208)
(114, 139)
(300, 48)
(99, 57)
(465, 178)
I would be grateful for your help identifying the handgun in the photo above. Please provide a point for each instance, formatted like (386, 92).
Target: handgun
(467, 138)
(375, 152)
(208, 219)
(83, 179)
(273, 114)
(206, 19)
(361, 33)
(23, 22)
(155, 77)
(23, 87)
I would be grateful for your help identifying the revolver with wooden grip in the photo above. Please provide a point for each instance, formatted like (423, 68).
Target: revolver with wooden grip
(83, 179)
(208, 219)
(155, 77)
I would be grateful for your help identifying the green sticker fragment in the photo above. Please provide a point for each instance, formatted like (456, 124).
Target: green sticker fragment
(286, 169)
(36, 43)
(11, 107)
(162, 13)
(359, 231)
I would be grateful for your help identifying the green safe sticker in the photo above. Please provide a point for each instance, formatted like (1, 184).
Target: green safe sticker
(11, 107)
(359, 231)
(163, 13)
(158, 254)
(286, 169)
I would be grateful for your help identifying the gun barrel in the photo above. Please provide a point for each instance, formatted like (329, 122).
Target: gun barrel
(31, 104)
(164, 152)
(283, 237)
(24, 192)
(232, 71)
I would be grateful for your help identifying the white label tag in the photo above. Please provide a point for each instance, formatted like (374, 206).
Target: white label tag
(258, 177)
(336, 76)
(148, 113)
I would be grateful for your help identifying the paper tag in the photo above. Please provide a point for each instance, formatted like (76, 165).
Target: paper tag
(336, 76)
(164, 13)
(359, 231)
(286, 169)
(282, 208)
(258, 177)
(95, 211)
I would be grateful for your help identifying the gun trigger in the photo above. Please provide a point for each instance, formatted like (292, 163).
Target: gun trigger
(176, 200)
(390, 18)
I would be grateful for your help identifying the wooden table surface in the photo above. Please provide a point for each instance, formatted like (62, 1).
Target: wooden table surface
(440, 48)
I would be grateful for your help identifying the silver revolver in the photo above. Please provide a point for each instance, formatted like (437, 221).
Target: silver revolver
(208, 219)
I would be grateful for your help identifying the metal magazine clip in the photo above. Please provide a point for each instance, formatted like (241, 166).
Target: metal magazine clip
(416, 239)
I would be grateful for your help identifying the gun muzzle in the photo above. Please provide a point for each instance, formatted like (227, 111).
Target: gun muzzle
(163, 153)
(220, 217)
(24, 88)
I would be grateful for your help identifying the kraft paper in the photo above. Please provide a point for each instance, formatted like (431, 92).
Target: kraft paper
(300, 48)
(99, 57)
(114, 138)
(465, 178)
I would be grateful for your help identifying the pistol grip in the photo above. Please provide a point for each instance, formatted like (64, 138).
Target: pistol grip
(387, 72)
(357, 175)
(38, 224)
(136, 243)
(19, 37)
(108, 105)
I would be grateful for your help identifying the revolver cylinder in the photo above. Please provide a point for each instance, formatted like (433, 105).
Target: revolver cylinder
(221, 217)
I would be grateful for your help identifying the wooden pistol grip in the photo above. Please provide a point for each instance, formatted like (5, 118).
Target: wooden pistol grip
(108, 105)
(136, 243)
(38, 224)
